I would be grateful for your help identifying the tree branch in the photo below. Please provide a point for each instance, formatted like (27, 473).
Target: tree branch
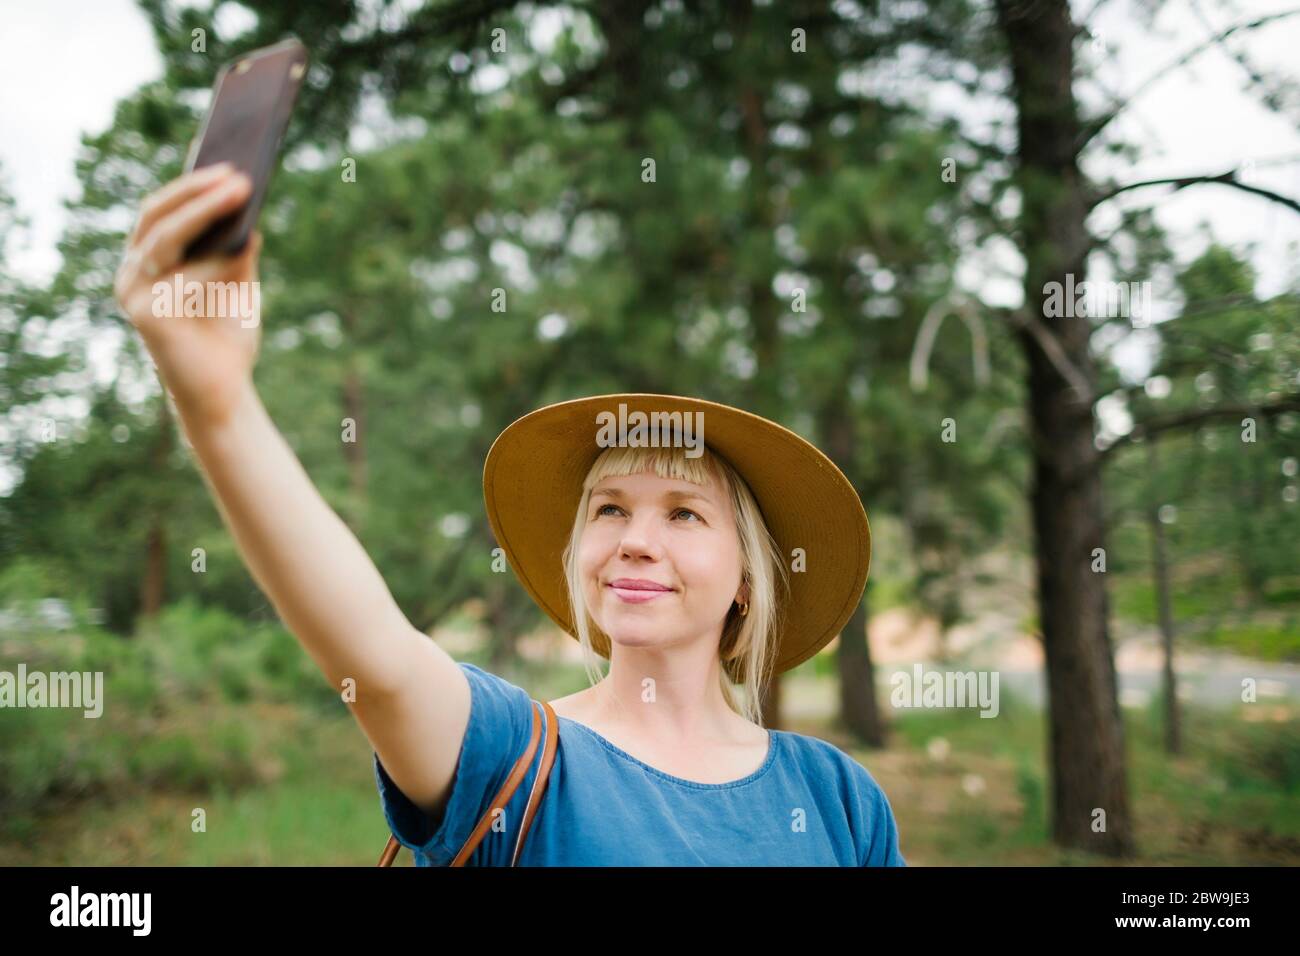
(1198, 416)
(1181, 182)
(1092, 128)
(1054, 351)
(919, 367)
(1271, 97)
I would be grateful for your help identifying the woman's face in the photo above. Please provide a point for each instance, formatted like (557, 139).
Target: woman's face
(671, 533)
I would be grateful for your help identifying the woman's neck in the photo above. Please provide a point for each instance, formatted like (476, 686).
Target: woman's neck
(667, 701)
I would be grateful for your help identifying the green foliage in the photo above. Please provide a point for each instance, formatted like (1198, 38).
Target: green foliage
(164, 695)
(1265, 642)
(1226, 482)
(1235, 782)
(1262, 755)
(381, 289)
(777, 177)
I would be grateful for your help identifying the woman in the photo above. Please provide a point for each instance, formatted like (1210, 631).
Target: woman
(672, 561)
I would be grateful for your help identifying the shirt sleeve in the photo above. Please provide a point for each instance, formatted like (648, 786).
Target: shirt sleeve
(883, 848)
(500, 724)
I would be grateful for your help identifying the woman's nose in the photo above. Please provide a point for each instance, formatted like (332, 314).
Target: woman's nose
(640, 537)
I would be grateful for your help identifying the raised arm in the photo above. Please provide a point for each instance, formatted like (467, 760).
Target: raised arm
(412, 700)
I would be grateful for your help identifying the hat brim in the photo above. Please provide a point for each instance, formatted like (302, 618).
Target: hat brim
(532, 485)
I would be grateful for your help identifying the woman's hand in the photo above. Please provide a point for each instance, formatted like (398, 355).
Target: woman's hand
(205, 358)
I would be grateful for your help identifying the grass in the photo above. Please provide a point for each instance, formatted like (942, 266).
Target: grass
(1229, 800)
(311, 798)
(1208, 611)
(314, 803)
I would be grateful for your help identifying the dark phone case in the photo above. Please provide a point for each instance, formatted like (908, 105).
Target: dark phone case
(251, 103)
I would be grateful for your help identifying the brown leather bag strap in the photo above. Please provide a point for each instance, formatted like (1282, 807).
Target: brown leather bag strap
(507, 791)
(539, 782)
(516, 776)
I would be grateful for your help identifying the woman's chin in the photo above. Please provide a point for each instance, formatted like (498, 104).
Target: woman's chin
(632, 633)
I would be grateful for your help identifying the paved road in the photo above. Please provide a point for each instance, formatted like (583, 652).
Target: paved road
(1209, 679)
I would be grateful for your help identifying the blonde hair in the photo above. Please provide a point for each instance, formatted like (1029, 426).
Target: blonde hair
(748, 645)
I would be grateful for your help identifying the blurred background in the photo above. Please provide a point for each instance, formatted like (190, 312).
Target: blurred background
(848, 217)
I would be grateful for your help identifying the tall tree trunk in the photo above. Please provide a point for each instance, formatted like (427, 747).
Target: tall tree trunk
(1090, 806)
(859, 712)
(154, 580)
(354, 407)
(506, 611)
(153, 585)
(1160, 571)
(760, 393)
(772, 705)
(1251, 499)
(858, 709)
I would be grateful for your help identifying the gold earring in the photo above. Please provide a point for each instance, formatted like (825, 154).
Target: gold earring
(744, 608)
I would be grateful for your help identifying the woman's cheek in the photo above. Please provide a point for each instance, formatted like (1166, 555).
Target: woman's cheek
(589, 552)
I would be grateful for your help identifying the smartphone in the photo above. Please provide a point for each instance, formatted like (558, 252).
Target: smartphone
(252, 100)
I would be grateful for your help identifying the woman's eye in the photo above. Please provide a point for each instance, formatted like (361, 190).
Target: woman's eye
(601, 511)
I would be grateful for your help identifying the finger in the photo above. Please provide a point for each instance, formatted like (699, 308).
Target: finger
(124, 278)
(213, 268)
(162, 201)
(130, 270)
(254, 247)
(201, 277)
(224, 290)
(209, 268)
(164, 245)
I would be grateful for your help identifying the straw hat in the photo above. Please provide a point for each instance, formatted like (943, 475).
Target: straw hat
(532, 485)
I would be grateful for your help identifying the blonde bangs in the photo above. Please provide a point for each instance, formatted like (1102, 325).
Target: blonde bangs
(670, 463)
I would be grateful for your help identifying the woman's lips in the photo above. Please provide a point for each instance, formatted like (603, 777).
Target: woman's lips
(636, 596)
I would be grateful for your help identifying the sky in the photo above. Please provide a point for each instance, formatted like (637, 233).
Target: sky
(65, 63)
(1200, 119)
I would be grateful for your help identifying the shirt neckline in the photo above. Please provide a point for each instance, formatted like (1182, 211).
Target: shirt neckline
(772, 740)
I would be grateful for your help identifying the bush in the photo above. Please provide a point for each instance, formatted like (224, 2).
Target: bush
(208, 654)
(180, 762)
(160, 692)
(1262, 755)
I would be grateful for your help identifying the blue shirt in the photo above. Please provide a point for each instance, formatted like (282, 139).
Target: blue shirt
(809, 804)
